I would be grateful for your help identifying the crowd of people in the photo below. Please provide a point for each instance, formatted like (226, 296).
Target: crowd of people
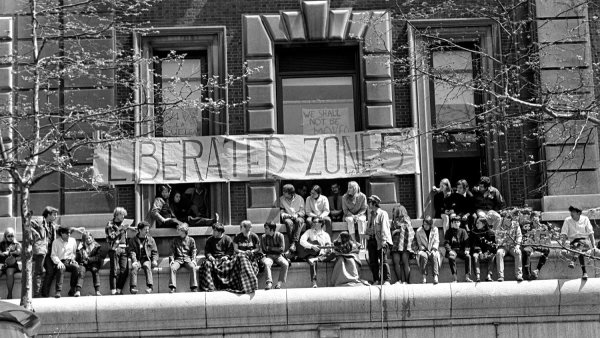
(476, 230)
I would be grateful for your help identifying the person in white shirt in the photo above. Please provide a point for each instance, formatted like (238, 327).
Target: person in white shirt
(64, 250)
(292, 214)
(313, 241)
(578, 230)
(317, 205)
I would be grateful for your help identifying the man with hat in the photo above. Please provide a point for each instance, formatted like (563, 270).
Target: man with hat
(379, 240)
(578, 230)
(64, 250)
(457, 246)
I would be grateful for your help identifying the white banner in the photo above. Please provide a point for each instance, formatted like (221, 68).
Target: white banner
(257, 157)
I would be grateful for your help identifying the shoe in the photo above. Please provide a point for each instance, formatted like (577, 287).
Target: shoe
(386, 283)
(119, 292)
(435, 279)
(584, 276)
(534, 274)
(113, 291)
(268, 286)
(489, 278)
(77, 294)
(455, 278)
(572, 265)
(149, 289)
(133, 291)
(519, 278)
(424, 279)
(501, 279)
(172, 290)
(293, 247)
(375, 282)
(71, 293)
(314, 284)
(57, 295)
(278, 286)
(477, 278)
(194, 289)
(468, 279)
(98, 293)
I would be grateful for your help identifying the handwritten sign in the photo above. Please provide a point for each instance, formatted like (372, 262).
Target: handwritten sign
(326, 121)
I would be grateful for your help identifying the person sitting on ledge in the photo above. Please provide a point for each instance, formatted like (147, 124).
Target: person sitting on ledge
(509, 239)
(143, 254)
(10, 252)
(578, 230)
(347, 263)
(183, 254)
(64, 250)
(457, 246)
(314, 243)
(335, 203)
(403, 236)
(199, 204)
(89, 258)
(379, 242)
(533, 230)
(248, 243)
(272, 244)
(488, 199)
(292, 215)
(161, 212)
(317, 205)
(354, 205)
(427, 238)
(483, 247)
(222, 270)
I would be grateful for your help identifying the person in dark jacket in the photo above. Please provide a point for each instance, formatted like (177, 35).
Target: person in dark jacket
(89, 257)
(462, 200)
(457, 246)
(161, 211)
(483, 247)
(116, 237)
(143, 254)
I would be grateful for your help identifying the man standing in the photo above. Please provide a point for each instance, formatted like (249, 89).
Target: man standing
(43, 235)
(578, 230)
(272, 244)
(379, 240)
(335, 203)
(292, 214)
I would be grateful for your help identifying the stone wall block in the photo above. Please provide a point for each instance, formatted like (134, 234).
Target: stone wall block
(248, 310)
(262, 121)
(358, 24)
(380, 116)
(265, 70)
(89, 98)
(6, 204)
(315, 16)
(325, 305)
(379, 91)
(378, 66)
(562, 30)
(6, 28)
(564, 157)
(573, 182)
(569, 132)
(256, 39)
(580, 297)
(338, 23)
(6, 52)
(378, 37)
(93, 202)
(564, 82)
(75, 315)
(295, 25)
(564, 55)
(563, 8)
(276, 27)
(262, 196)
(262, 215)
(261, 95)
(385, 190)
(6, 78)
(411, 302)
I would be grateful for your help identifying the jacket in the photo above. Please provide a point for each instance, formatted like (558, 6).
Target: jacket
(136, 244)
(428, 243)
(456, 239)
(378, 225)
(90, 257)
(509, 234)
(43, 235)
(482, 240)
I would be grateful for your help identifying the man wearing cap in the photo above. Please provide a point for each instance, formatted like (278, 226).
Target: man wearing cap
(578, 230)
(379, 240)
(64, 250)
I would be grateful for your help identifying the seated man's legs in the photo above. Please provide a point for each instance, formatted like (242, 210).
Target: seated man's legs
(312, 262)
(191, 266)
(133, 272)
(350, 225)
(268, 263)
(76, 277)
(500, 263)
(294, 230)
(175, 265)
(467, 259)
(147, 266)
(284, 265)
(60, 274)
(516, 253)
(526, 260)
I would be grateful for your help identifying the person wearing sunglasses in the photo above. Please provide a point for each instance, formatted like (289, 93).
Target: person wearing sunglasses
(10, 251)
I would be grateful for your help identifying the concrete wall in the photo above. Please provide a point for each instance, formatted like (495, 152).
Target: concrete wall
(551, 308)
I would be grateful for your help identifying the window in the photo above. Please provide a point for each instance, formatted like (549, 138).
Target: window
(318, 91)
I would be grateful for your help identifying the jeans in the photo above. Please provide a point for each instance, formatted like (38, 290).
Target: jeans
(49, 266)
(268, 261)
(424, 257)
(38, 274)
(526, 253)
(294, 229)
(375, 259)
(95, 273)
(118, 268)
(518, 261)
(191, 266)
(460, 254)
(146, 265)
(478, 256)
(76, 278)
(401, 265)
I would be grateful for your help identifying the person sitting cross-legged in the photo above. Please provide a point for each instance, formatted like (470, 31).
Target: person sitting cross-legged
(64, 250)
(272, 244)
(183, 254)
(379, 241)
(457, 246)
(143, 254)
(89, 258)
(428, 241)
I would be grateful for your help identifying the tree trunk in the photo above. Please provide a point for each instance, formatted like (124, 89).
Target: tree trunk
(27, 252)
